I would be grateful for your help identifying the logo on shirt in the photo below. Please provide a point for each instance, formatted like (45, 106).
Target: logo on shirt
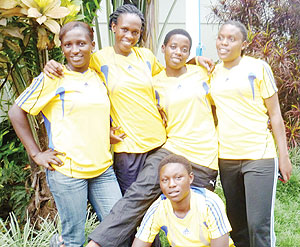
(186, 231)
(130, 68)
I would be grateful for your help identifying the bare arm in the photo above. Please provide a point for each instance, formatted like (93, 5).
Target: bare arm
(53, 68)
(222, 241)
(19, 120)
(139, 243)
(93, 244)
(278, 128)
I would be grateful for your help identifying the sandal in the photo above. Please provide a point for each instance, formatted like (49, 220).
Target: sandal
(55, 242)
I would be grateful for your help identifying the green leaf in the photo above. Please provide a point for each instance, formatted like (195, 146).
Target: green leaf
(3, 59)
(12, 45)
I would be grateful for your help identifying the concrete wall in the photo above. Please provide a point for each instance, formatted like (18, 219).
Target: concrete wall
(185, 15)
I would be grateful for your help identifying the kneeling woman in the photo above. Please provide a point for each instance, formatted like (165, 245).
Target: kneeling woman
(76, 112)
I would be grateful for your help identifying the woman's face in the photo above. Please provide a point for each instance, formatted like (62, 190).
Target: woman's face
(176, 51)
(127, 33)
(77, 47)
(230, 44)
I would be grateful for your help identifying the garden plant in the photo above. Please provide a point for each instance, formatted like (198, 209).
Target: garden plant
(28, 38)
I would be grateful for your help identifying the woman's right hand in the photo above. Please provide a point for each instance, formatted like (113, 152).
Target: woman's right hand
(47, 158)
(53, 68)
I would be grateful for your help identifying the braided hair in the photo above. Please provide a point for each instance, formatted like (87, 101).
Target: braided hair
(126, 9)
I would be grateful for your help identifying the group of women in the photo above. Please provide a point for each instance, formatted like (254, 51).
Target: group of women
(78, 116)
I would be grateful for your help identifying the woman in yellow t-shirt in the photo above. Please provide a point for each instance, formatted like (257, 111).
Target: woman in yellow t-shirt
(76, 114)
(245, 95)
(127, 71)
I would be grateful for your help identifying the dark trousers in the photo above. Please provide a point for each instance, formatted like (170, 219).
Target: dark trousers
(128, 212)
(127, 166)
(249, 188)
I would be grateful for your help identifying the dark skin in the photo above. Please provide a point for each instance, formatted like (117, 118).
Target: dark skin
(20, 123)
(175, 178)
(53, 68)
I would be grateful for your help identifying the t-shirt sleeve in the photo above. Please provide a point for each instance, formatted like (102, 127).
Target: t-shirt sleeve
(267, 85)
(217, 221)
(150, 225)
(98, 66)
(156, 66)
(38, 94)
(95, 63)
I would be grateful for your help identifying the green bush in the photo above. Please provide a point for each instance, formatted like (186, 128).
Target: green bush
(14, 177)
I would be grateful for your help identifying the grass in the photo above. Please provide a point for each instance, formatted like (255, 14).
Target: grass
(287, 207)
(14, 235)
(287, 218)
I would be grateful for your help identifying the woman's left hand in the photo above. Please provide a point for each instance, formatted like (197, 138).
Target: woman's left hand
(285, 167)
(116, 138)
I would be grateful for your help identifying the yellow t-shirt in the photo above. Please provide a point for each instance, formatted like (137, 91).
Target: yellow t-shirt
(76, 114)
(129, 83)
(190, 127)
(239, 94)
(206, 220)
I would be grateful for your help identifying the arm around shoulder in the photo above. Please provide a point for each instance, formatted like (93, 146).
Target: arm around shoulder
(53, 68)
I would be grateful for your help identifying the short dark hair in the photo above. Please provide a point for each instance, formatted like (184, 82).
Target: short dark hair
(73, 24)
(241, 27)
(174, 158)
(126, 9)
(178, 31)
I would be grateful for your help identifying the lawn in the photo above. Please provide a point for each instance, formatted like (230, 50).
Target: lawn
(287, 218)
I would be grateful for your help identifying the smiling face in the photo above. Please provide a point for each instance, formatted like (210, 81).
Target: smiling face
(230, 44)
(127, 33)
(176, 51)
(77, 47)
(175, 182)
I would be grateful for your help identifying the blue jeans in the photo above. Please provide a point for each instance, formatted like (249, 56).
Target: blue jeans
(71, 196)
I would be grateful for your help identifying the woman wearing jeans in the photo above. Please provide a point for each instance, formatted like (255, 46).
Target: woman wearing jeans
(76, 115)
